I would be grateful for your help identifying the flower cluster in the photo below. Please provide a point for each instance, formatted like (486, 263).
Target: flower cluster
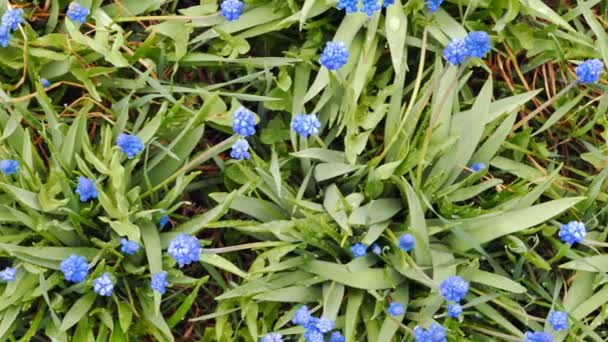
(128, 247)
(243, 124)
(454, 289)
(159, 282)
(558, 320)
(477, 167)
(86, 189)
(369, 7)
(454, 310)
(45, 83)
(129, 144)
(376, 249)
(8, 274)
(572, 232)
(476, 44)
(406, 242)
(306, 125)
(538, 336)
(358, 250)
(231, 9)
(396, 309)
(316, 328)
(589, 71)
(435, 333)
(272, 337)
(334, 55)
(433, 5)
(163, 221)
(185, 249)
(75, 268)
(103, 286)
(10, 22)
(77, 13)
(9, 166)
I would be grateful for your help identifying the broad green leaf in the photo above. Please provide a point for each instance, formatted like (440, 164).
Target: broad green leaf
(367, 279)
(78, 310)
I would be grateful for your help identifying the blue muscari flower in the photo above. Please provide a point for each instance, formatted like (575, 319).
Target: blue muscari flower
(240, 150)
(589, 71)
(358, 250)
(103, 285)
(301, 316)
(324, 325)
(163, 221)
(45, 83)
(478, 44)
(75, 268)
(433, 5)
(349, 5)
(231, 9)
(128, 247)
(376, 249)
(185, 249)
(369, 7)
(159, 282)
(12, 18)
(558, 320)
(306, 125)
(336, 336)
(334, 55)
(5, 36)
(129, 144)
(243, 122)
(9, 166)
(456, 51)
(272, 337)
(454, 289)
(477, 167)
(77, 12)
(86, 189)
(395, 309)
(406, 242)
(572, 232)
(8, 274)
(387, 3)
(313, 335)
(454, 310)
(539, 336)
(435, 333)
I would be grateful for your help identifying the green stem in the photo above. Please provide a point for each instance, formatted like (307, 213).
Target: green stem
(236, 248)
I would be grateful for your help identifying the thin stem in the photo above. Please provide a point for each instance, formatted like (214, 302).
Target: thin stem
(236, 248)
(543, 106)
(166, 17)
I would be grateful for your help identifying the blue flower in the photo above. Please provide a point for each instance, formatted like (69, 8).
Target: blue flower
(406, 242)
(12, 18)
(334, 56)
(589, 71)
(5, 36)
(358, 250)
(369, 7)
(9, 166)
(301, 316)
(456, 51)
(103, 285)
(387, 3)
(8, 274)
(539, 336)
(349, 5)
(477, 167)
(86, 189)
(454, 310)
(324, 325)
(163, 221)
(336, 336)
(306, 125)
(130, 144)
(77, 13)
(128, 247)
(231, 9)
(376, 249)
(159, 282)
(435, 333)
(272, 337)
(185, 249)
(478, 44)
(240, 150)
(558, 320)
(572, 232)
(313, 335)
(454, 289)
(75, 268)
(395, 309)
(433, 5)
(243, 122)
(45, 83)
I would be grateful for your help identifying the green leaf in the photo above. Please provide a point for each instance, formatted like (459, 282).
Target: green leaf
(78, 310)
(494, 280)
(375, 211)
(396, 32)
(220, 262)
(596, 263)
(367, 279)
